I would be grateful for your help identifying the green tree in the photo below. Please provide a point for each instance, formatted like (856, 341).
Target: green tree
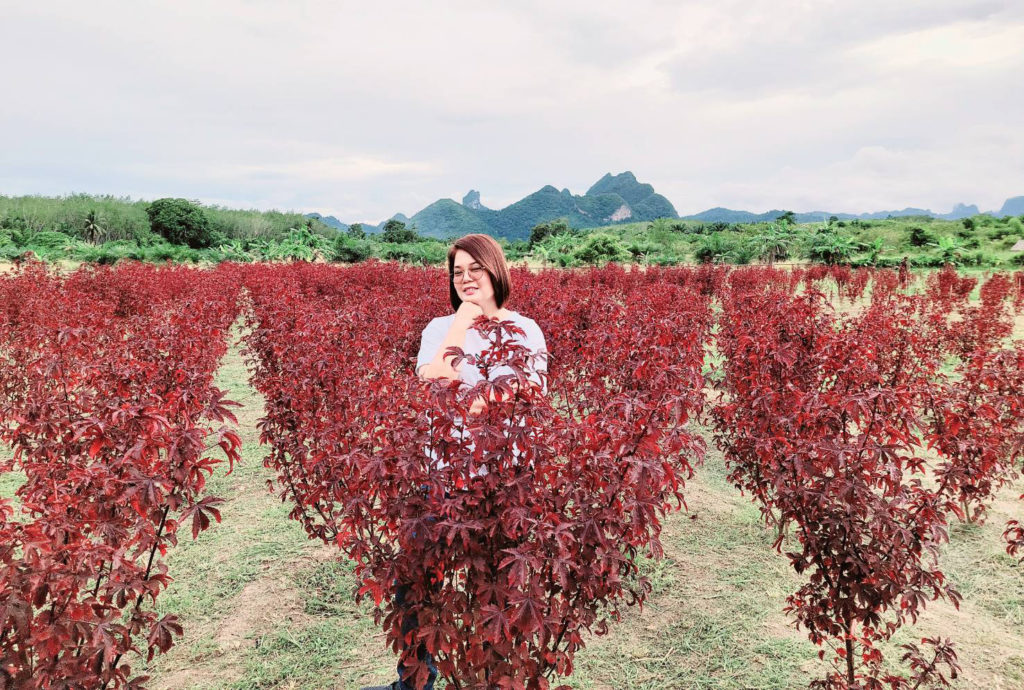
(919, 237)
(351, 249)
(550, 228)
(831, 248)
(787, 217)
(876, 248)
(395, 231)
(601, 248)
(715, 247)
(559, 249)
(356, 230)
(179, 221)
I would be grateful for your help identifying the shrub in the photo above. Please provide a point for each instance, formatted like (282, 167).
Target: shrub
(744, 253)
(352, 248)
(112, 421)
(641, 249)
(714, 248)
(48, 239)
(525, 556)
(919, 237)
(600, 248)
(179, 221)
(541, 231)
(830, 247)
(808, 394)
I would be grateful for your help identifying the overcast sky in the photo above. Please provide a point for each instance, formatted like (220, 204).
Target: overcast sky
(364, 109)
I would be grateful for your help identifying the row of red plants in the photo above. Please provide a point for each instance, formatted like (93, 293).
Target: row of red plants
(516, 531)
(851, 432)
(108, 404)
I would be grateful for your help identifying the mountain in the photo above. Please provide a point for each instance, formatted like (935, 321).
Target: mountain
(1012, 207)
(961, 211)
(329, 221)
(472, 200)
(726, 215)
(612, 199)
(445, 218)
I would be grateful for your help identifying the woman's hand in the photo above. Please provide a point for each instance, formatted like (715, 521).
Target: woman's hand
(467, 313)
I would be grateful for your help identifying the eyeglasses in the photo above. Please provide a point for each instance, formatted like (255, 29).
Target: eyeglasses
(474, 272)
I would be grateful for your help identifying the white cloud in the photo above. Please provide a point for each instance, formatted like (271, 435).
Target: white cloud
(362, 110)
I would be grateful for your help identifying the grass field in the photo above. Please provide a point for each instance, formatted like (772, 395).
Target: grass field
(264, 607)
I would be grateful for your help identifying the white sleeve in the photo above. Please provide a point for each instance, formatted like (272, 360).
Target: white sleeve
(430, 342)
(534, 340)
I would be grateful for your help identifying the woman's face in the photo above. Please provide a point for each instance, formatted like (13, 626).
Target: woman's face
(472, 282)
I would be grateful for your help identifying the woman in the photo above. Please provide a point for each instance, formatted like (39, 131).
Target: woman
(479, 283)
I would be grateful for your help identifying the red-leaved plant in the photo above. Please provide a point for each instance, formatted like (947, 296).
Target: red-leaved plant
(823, 422)
(514, 532)
(107, 400)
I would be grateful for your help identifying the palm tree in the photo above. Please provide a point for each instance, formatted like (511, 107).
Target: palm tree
(92, 231)
(773, 243)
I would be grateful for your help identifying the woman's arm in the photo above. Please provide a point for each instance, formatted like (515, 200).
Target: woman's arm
(440, 366)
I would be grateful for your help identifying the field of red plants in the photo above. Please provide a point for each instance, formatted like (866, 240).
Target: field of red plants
(863, 411)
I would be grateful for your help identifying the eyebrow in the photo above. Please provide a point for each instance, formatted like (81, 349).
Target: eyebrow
(475, 263)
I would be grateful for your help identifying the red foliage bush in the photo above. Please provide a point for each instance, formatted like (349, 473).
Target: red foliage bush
(527, 531)
(107, 399)
(824, 423)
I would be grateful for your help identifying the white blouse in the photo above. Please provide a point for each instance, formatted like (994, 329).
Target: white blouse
(437, 329)
(433, 336)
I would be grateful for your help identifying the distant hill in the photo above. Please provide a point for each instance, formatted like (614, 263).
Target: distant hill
(612, 199)
(446, 218)
(1013, 207)
(727, 215)
(329, 221)
(961, 211)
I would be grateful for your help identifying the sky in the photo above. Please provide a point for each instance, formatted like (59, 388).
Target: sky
(366, 109)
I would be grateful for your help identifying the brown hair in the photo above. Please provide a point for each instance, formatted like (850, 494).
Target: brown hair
(486, 252)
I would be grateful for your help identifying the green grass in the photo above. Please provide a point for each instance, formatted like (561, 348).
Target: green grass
(713, 619)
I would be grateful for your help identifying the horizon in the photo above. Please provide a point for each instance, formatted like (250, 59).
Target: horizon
(981, 210)
(363, 112)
